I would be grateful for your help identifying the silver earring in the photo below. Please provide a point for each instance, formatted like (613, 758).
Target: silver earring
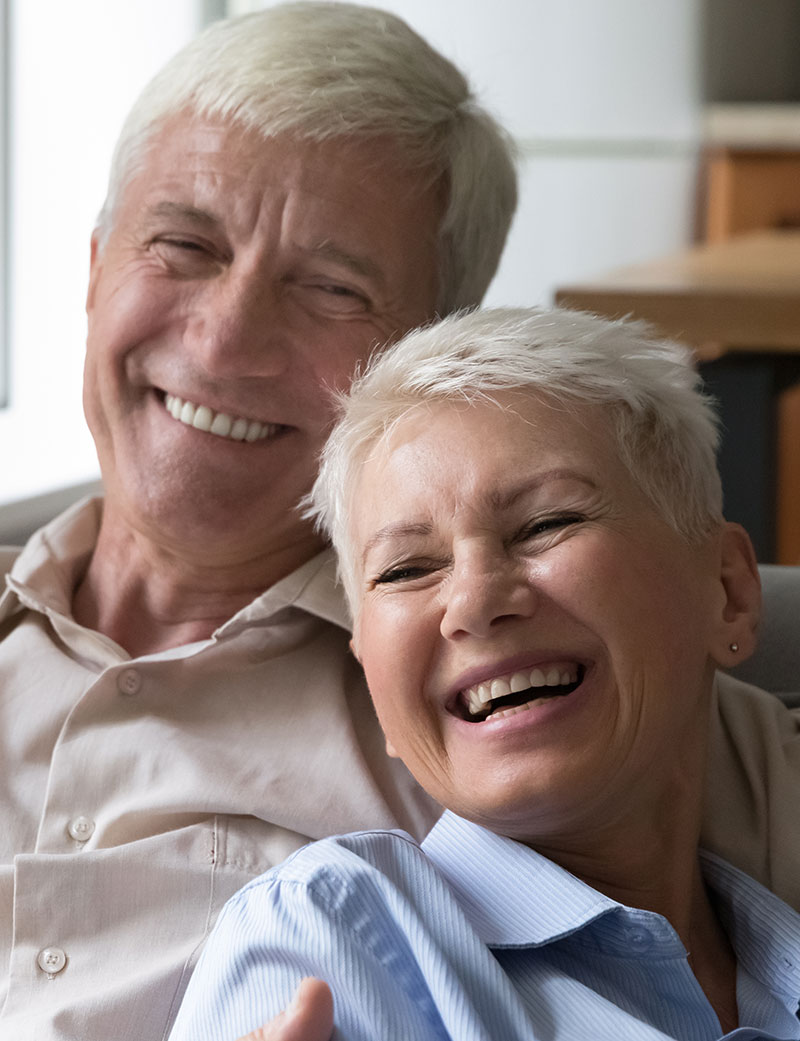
(734, 647)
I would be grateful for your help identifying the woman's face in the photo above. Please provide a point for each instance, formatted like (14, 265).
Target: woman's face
(507, 552)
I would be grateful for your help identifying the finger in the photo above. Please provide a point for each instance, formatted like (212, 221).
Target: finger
(308, 1018)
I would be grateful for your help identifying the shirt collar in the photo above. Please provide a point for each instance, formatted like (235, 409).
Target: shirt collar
(515, 897)
(46, 572)
(764, 931)
(313, 587)
(512, 895)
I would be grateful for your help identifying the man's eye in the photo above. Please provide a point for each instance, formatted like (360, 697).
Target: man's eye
(336, 298)
(187, 258)
(337, 290)
(187, 245)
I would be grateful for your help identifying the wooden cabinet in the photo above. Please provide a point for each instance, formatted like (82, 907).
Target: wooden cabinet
(746, 189)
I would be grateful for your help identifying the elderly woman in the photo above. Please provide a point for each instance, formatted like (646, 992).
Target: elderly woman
(528, 518)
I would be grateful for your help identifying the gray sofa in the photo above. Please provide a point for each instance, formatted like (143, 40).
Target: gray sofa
(776, 664)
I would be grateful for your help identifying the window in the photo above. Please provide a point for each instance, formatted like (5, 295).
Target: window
(71, 73)
(3, 200)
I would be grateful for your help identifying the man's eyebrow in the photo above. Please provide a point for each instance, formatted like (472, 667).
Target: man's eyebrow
(357, 263)
(183, 211)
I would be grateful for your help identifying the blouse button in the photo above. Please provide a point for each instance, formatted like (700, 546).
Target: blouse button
(81, 829)
(639, 938)
(51, 960)
(129, 682)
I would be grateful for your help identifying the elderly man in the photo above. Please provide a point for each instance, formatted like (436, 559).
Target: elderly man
(180, 710)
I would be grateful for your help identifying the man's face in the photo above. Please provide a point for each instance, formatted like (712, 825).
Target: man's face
(247, 278)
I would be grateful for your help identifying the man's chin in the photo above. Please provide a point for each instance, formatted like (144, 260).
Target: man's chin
(218, 518)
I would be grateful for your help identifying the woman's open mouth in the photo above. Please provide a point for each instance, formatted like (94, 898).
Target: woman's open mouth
(517, 691)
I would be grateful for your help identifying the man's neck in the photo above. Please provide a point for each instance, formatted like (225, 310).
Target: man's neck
(148, 598)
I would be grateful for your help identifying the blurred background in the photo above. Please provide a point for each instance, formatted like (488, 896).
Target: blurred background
(636, 120)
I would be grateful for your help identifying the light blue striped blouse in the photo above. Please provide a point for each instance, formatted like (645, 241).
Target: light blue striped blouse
(480, 939)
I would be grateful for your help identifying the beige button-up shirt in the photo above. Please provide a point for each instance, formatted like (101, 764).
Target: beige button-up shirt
(753, 793)
(136, 795)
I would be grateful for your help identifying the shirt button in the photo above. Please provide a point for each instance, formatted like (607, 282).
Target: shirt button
(638, 938)
(81, 829)
(51, 960)
(129, 682)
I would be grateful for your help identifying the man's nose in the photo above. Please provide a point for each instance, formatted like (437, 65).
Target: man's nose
(240, 326)
(484, 594)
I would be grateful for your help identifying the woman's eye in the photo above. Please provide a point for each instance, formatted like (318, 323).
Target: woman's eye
(401, 573)
(548, 524)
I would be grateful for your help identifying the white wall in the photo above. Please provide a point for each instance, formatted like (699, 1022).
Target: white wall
(603, 97)
(604, 100)
(76, 69)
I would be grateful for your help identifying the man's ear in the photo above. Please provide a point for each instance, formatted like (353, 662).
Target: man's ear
(734, 638)
(94, 269)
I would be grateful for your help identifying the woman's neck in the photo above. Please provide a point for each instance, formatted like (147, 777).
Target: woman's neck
(648, 858)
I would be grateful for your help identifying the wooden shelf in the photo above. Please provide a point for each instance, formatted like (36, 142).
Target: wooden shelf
(737, 304)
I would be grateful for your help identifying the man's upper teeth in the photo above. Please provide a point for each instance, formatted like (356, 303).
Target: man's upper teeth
(479, 696)
(203, 418)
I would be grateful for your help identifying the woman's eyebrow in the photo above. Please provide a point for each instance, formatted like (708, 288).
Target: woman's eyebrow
(506, 498)
(392, 532)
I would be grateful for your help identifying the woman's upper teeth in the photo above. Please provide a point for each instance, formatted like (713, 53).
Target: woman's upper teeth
(201, 417)
(479, 696)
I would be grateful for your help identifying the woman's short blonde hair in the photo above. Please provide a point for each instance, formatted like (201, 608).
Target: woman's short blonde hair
(665, 427)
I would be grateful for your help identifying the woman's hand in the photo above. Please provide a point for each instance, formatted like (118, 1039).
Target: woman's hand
(308, 1018)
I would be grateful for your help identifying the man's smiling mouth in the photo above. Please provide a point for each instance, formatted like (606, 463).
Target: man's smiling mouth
(234, 428)
(518, 691)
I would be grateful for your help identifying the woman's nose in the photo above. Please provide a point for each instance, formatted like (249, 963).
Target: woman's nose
(481, 596)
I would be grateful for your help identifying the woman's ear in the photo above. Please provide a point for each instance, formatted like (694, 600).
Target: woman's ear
(735, 633)
(391, 751)
(353, 649)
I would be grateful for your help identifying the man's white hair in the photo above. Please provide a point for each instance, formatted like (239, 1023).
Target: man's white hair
(665, 427)
(322, 70)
